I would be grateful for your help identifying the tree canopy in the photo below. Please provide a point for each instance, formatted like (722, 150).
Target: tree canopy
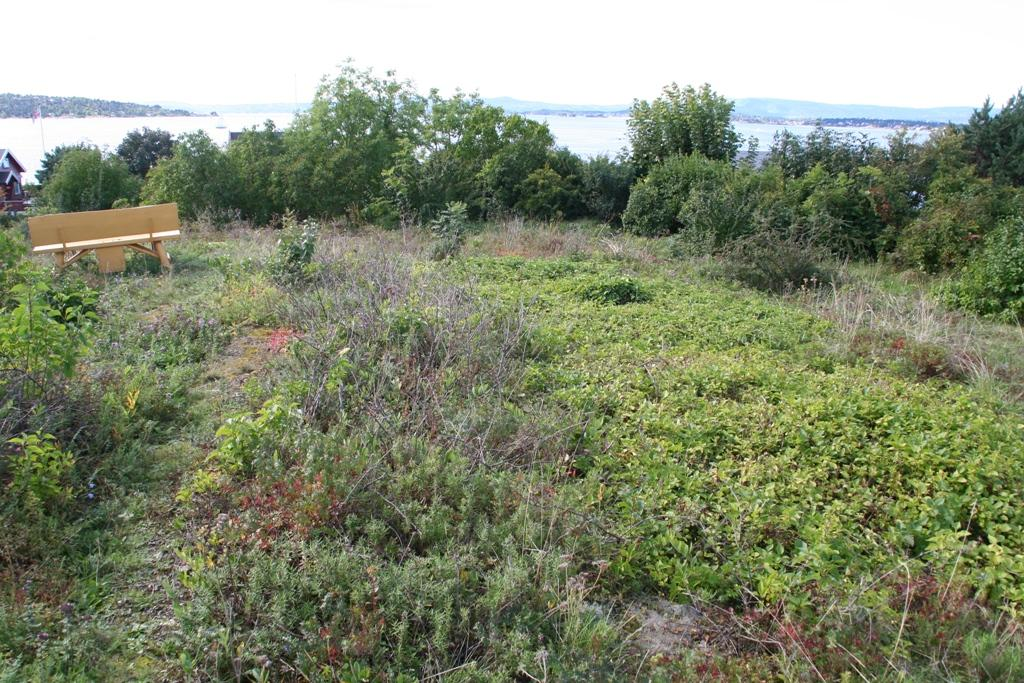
(141, 149)
(680, 122)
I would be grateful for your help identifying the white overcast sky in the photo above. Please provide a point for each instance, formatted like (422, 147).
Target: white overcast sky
(893, 52)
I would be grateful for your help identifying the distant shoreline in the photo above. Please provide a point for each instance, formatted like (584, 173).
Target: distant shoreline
(16, 106)
(845, 122)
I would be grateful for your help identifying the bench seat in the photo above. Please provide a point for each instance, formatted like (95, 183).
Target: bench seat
(108, 242)
(70, 236)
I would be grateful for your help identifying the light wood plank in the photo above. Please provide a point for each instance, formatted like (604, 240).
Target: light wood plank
(110, 259)
(81, 226)
(126, 240)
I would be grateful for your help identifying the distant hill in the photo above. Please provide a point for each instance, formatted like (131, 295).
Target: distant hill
(254, 108)
(23, 106)
(790, 110)
(756, 109)
(514, 106)
(764, 108)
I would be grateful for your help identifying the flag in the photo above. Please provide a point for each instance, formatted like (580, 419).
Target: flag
(37, 114)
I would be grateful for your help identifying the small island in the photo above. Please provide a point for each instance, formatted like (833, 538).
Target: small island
(14, 106)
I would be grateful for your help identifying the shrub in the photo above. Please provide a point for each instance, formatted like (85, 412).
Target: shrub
(337, 152)
(257, 157)
(773, 263)
(12, 250)
(293, 257)
(615, 290)
(992, 283)
(836, 152)
(141, 149)
(605, 185)
(721, 209)
(525, 146)
(37, 339)
(682, 121)
(450, 230)
(546, 194)
(86, 180)
(40, 472)
(961, 208)
(657, 201)
(840, 207)
(198, 176)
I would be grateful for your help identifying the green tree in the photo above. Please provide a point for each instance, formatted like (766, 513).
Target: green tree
(523, 148)
(996, 142)
(358, 127)
(476, 154)
(86, 180)
(258, 159)
(836, 152)
(460, 134)
(52, 158)
(198, 176)
(681, 122)
(141, 149)
(605, 187)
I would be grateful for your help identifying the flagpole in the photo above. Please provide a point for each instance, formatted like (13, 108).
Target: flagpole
(42, 136)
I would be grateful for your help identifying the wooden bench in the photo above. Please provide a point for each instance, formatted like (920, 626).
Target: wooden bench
(69, 236)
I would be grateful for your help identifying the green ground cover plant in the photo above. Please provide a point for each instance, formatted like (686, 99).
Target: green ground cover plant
(382, 466)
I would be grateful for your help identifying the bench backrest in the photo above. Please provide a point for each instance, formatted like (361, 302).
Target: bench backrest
(60, 228)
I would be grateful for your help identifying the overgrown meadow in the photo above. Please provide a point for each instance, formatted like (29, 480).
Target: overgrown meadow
(328, 454)
(426, 397)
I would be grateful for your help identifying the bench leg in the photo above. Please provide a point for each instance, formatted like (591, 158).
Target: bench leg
(111, 259)
(58, 259)
(165, 260)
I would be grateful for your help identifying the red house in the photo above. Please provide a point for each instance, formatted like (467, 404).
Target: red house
(12, 194)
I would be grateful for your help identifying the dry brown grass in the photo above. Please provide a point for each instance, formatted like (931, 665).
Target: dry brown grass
(875, 304)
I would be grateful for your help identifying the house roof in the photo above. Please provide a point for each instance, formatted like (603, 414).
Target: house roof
(14, 160)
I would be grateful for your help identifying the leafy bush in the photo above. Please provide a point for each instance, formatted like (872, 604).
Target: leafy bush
(961, 208)
(449, 229)
(719, 210)
(992, 282)
(12, 249)
(656, 202)
(546, 194)
(773, 263)
(40, 472)
(258, 157)
(525, 147)
(198, 176)
(292, 260)
(834, 151)
(337, 152)
(37, 339)
(51, 159)
(605, 185)
(682, 121)
(87, 180)
(617, 291)
(840, 207)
